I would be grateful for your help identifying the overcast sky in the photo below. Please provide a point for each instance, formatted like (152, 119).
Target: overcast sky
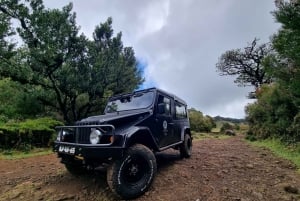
(179, 42)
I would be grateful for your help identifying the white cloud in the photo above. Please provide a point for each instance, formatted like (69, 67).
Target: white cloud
(180, 41)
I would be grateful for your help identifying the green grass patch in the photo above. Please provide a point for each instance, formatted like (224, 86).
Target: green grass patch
(202, 136)
(15, 154)
(289, 152)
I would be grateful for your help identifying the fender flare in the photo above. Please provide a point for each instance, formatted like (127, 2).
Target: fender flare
(141, 135)
(185, 130)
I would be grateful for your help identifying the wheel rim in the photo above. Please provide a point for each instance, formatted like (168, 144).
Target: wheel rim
(135, 170)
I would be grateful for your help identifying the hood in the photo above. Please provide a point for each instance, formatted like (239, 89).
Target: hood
(117, 118)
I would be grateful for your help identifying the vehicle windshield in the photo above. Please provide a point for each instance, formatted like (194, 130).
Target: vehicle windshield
(134, 101)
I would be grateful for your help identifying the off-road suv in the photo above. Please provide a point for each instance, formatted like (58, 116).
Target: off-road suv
(133, 127)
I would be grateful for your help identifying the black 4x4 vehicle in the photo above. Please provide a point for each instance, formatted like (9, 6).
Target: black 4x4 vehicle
(133, 127)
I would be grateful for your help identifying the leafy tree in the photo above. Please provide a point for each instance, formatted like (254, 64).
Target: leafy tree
(287, 44)
(16, 103)
(246, 64)
(272, 114)
(6, 48)
(73, 74)
(199, 122)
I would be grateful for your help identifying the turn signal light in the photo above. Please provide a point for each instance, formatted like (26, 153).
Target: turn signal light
(111, 139)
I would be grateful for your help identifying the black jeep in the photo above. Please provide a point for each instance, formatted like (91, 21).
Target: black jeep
(133, 127)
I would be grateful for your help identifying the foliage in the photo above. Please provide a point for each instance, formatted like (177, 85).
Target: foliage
(6, 48)
(199, 122)
(72, 74)
(226, 126)
(276, 111)
(271, 115)
(274, 69)
(17, 154)
(287, 44)
(16, 103)
(228, 119)
(246, 64)
(28, 133)
(202, 136)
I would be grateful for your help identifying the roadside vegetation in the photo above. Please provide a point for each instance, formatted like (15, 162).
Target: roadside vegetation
(280, 149)
(10, 154)
(202, 136)
(55, 78)
(273, 69)
(62, 76)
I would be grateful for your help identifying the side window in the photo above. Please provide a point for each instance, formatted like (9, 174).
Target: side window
(167, 102)
(180, 111)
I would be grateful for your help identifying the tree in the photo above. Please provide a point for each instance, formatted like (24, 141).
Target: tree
(276, 111)
(246, 64)
(287, 44)
(199, 122)
(272, 114)
(6, 48)
(17, 101)
(74, 73)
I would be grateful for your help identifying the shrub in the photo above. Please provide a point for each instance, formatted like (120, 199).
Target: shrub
(26, 134)
(199, 122)
(273, 115)
(226, 126)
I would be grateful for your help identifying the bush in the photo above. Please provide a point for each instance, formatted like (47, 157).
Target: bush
(250, 136)
(18, 101)
(199, 122)
(273, 115)
(226, 126)
(26, 134)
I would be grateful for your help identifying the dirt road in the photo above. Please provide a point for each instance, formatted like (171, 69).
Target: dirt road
(227, 169)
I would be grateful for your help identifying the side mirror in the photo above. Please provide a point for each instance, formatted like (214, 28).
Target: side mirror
(161, 108)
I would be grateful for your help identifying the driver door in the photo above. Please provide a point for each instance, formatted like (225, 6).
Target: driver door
(164, 121)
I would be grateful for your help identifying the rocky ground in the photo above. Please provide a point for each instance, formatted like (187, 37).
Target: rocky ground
(227, 169)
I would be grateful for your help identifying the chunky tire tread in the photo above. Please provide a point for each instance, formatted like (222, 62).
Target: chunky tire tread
(132, 175)
(186, 147)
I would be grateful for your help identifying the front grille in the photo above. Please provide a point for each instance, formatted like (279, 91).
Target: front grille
(83, 134)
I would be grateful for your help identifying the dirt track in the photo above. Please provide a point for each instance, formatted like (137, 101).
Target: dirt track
(227, 169)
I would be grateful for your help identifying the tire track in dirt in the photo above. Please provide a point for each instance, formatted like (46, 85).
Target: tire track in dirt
(227, 169)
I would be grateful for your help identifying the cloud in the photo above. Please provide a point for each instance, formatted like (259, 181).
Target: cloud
(180, 43)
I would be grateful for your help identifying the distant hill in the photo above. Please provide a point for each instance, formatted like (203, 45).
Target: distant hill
(232, 120)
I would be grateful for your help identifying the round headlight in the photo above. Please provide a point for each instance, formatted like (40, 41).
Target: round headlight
(61, 135)
(95, 136)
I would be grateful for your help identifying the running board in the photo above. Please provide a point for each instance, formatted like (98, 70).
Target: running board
(172, 145)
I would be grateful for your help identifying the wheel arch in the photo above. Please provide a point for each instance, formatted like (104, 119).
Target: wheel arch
(141, 136)
(185, 130)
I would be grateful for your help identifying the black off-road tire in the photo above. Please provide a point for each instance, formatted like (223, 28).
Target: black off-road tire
(186, 147)
(132, 175)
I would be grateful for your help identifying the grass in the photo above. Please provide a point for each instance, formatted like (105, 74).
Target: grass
(280, 149)
(15, 154)
(202, 136)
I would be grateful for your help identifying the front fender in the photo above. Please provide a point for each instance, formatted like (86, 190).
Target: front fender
(140, 135)
(185, 130)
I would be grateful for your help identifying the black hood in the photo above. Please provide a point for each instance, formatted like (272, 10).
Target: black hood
(118, 118)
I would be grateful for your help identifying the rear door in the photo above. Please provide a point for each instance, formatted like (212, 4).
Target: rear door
(180, 120)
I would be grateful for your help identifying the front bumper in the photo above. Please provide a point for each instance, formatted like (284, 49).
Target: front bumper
(88, 151)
